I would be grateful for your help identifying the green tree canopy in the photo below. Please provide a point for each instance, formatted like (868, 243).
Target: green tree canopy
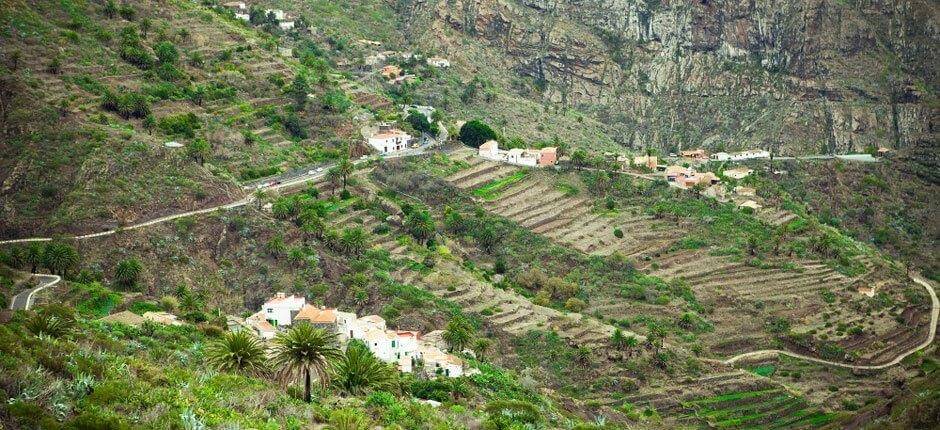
(475, 133)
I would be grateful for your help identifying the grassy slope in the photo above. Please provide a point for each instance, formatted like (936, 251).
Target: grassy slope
(101, 170)
(885, 204)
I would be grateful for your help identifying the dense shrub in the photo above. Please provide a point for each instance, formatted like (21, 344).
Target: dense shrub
(127, 104)
(475, 133)
(181, 124)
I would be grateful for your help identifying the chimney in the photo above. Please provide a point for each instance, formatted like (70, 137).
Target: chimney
(280, 295)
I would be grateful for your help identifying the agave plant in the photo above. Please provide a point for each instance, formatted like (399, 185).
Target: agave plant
(237, 352)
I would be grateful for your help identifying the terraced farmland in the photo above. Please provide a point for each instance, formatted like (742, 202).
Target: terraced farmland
(794, 293)
(568, 219)
(505, 310)
(763, 408)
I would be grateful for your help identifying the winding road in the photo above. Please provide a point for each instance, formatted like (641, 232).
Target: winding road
(276, 185)
(935, 310)
(24, 299)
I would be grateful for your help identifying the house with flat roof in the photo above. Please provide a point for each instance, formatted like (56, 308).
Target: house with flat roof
(389, 139)
(441, 63)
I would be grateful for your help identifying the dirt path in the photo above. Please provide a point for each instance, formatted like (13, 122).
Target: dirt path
(25, 298)
(237, 203)
(935, 310)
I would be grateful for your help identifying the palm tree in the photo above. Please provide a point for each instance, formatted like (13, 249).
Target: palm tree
(60, 258)
(420, 225)
(238, 352)
(345, 169)
(353, 241)
(307, 351)
(480, 346)
(333, 176)
(34, 256)
(359, 371)
(315, 226)
(127, 273)
(260, 197)
(458, 333)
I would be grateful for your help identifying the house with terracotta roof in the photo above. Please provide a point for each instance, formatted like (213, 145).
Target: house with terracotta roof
(390, 139)
(319, 317)
(259, 324)
(675, 172)
(281, 309)
(391, 71)
(695, 154)
(548, 156)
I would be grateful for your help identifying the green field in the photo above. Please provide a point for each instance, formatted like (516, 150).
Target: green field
(491, 190)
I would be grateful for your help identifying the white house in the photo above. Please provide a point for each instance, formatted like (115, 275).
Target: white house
(390, 139)
(286, 25)
(490, 150)
(738, 172)
(439, 62)
(522, 157)
(743, 155)
(436, 362)
(244, 16)
(281, 309)
(278, 14)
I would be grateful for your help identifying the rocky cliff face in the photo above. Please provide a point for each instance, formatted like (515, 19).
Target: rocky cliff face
(788, 75)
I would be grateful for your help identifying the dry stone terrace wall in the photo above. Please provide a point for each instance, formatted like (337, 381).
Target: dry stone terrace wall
(569, 220)
(744, 297)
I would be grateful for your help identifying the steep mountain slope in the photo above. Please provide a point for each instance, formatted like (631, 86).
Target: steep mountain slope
(796, 77)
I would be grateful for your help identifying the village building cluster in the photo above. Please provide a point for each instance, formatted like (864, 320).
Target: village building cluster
(544, 157)
(284, 20)
(408, 350)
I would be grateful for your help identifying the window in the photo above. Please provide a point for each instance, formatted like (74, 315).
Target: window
(393, 344)
(270, 310)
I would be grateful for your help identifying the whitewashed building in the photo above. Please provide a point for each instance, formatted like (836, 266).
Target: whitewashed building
(281, 309)
(390, 139)
(739, 156)
(438, 62)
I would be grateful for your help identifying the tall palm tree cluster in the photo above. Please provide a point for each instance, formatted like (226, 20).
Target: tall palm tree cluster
(304, 353)
(58, 258)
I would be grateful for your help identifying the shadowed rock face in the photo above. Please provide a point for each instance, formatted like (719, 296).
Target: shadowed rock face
(795, 76)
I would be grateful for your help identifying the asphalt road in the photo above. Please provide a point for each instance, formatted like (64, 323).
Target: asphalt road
(24, 299)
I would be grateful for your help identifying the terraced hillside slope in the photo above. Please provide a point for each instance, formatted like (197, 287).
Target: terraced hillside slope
(747, 299)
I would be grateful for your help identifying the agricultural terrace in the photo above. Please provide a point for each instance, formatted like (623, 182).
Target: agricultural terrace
(720, 279)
